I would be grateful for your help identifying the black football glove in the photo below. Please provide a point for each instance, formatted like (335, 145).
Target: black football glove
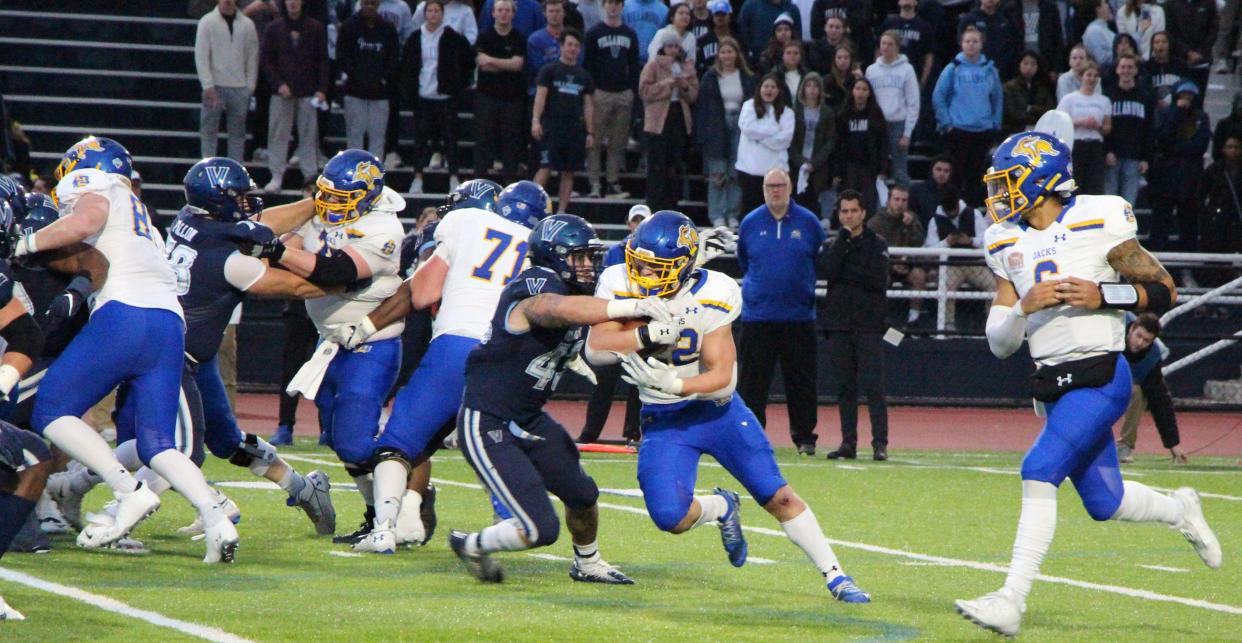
(257, 240)
(67, 304)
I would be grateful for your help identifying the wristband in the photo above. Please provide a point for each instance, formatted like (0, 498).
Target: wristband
(9, 377)
(1119, 296)
(622, 308)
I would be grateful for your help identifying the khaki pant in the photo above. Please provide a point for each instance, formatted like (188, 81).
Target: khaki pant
(1130, 421)
(226, 360)
(612, 130)
(978, 276)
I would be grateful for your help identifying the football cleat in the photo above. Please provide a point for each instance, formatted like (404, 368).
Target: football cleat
(997, 612)
(230, 509)
(843, 589)
(359, 533)
(129, 546)
(480, 565)
(8, 613)
(130, 509)
(381, 540)
(427, 514)
(222, 542)
(70, 503)
(731, 528)
(597, 572)
(409, 526)
(48, 514)
(316, 500)
(1195, 528)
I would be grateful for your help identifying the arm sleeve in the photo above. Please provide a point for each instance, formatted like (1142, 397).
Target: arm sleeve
(443, 237)
(242, 271)
(1160, 403)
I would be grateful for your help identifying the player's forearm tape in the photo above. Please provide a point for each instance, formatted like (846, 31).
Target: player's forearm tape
(622, 308)
(336, 269)
(9, 377)
(24, 336)
(1006, 328)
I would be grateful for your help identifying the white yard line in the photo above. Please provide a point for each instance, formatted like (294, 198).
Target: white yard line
(1162, 568)
(344, 554)
(117, 607)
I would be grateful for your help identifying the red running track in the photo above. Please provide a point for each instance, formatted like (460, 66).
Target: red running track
(910, 427)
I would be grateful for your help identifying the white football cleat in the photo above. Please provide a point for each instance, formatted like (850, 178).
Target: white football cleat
(381, 540)
(8, 613)
(61, 491)
(1195, 528)
(997, 612)
(222, 541)
(119, 519)
(598, 571)
(230, 509)
(409, 527)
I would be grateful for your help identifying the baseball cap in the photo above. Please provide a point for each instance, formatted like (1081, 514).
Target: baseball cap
(785, 18)
(641, 211)
(720, 6)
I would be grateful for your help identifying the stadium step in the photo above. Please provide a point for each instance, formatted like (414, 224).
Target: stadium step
(119, 30)
(97, 54)
(104, 9)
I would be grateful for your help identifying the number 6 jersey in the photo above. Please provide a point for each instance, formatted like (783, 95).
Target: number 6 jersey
(484, 251)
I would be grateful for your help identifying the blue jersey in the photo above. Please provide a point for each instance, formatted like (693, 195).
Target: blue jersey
(511, 375)
(198, 250)
(8, 283)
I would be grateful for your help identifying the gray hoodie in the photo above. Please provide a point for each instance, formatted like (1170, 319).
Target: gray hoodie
(896, 90)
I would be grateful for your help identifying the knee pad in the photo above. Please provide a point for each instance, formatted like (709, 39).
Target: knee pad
(254, 453)
(547, 528)
(666, 517)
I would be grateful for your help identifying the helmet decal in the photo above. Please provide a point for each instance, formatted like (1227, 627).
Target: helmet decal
(1034, 148)
(366, 172)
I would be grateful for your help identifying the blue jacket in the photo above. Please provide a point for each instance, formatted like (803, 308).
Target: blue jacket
(969, 96)
(645, 17)
(616, 254)
(778, 259)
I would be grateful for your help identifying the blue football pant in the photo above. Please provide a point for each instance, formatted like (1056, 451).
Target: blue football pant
(425, 407)
(352, 395)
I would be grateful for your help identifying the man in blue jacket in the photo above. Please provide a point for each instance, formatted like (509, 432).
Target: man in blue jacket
(968, 100)
(645, 17)
(776, 249)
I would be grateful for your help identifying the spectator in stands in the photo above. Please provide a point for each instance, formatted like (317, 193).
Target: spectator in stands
(612, 60)
(1222, 216)
(1192, 29)
(856, 17)
(544, 46)
(500, 95)
(1123, 44)
(645, 17)
(295, 61)
(1128, 145)
(862, 143)
(958, 226)
(776, 249)
(897, 92)
(854, 266)
(916, 38)
(367, 52)
(709, 40)
(1000, 36)
(900, 228)
(1230, 125)
(439, 64)
(1228, 19)
(1092, 114)
(1141, 20)
(1144, 353)
(722, 92)
(1182, 137)
(668, 87)
(925, 195)
(562, 116)
(756, 20)
(592, 13)
(1163, 70)
(1027, 95)
(820, 51)
(1071, 79)
(1037, 23)
(226, 55)
(766, 128)
(782, 34)
(701, 22)
(1098, 38)
(840, 78)
(43, 185)
(791, 69)
(396, 13)
(458, 14)
(814, 140)
(527, 17)
(679, 25)
(968, 106)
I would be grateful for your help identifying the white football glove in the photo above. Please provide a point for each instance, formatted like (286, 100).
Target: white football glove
(715, 242)
(25, 245)
(579, 366)
(651, 374)
(653, 308)
(351, 336)
(660, 333)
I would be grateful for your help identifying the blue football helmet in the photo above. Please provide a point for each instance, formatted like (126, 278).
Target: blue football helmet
(40, 213)
(475, 193)
(220, 188)
(351, 182)
(37, 200)
(96, 152)
(1026, 168)
(555, 242)
(659, 257)
(12, 193)
(524, 202)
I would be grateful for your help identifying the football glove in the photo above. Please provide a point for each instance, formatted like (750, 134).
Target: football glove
(257, 240)
(715, 242)
(660, 333)
(351, 336)
(653, 308)
(67, 304)
(23, 244)
(579, 366)
(651, 373)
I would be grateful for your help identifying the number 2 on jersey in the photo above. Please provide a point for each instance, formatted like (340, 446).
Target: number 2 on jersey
(503, 241)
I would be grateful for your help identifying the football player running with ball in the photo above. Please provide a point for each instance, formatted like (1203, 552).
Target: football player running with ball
(1059, 260)
(689, 404)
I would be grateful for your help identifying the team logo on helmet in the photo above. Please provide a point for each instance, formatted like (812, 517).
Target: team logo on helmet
(368, 173)
(550, 230)
(87, 145)
(1034, 148)
(688, 237)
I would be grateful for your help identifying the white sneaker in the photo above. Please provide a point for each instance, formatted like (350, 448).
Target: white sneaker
(392, 161)
(416, 188)
(222, 542)
(453, 183)
(997, 612)
(273, 186)
(116, 523)
(437, 161)
(912, 317)
(409, 527)
(1195, 528)
(381, 540)
(230, 509)
(8, 613)
(61, 491)
(260, 155)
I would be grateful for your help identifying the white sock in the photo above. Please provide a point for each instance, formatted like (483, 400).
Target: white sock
(1141, 503)
(805, 532)
(388, 489)
(127, 454)
(1036, 526)
(188, 480)
(363, 482)
(505, 535)
(80, 442)
(152, 479)
(713, 508)
(588, 553)
(292, 482)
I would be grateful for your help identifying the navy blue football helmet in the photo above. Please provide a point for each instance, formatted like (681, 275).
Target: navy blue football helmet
(351, 182)
(475, 193)
(555, 242)
(40, 213)
(659, 257)
(524, 202)
(12, 192)
(221, 189)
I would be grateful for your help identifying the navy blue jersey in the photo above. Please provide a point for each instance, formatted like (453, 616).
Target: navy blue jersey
(7, 282)
(198, 249)
(512, 375)
(42, 286)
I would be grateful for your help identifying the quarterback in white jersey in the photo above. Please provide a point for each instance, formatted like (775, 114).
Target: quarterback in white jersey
(686, 383)
(135, 335)
(1058, 261)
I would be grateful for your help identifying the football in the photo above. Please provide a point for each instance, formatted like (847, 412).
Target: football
(635, 323)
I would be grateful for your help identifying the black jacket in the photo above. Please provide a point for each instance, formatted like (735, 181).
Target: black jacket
(709, 114)
(368, 57)
(453, 71)
(1051, 41)
(856, 271)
